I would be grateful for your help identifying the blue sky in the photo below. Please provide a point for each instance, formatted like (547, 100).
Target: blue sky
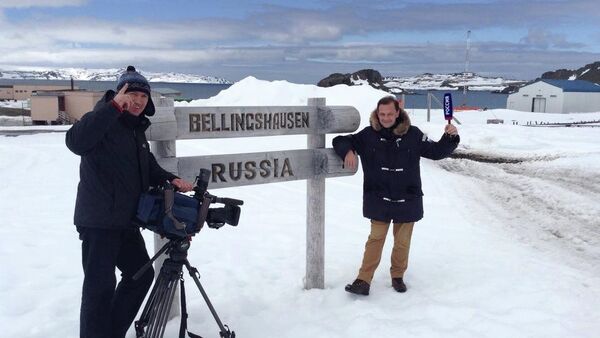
(302, 41)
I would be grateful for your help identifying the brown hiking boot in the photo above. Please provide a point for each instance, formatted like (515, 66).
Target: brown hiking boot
(398, 284)
(359, 287)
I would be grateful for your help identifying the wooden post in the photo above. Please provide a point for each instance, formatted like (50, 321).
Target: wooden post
(315, 216)
(164, 150)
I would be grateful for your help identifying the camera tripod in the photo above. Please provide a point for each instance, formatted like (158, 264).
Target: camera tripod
(155, 314)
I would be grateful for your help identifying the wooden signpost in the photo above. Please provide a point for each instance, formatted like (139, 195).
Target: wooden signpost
(313, 164)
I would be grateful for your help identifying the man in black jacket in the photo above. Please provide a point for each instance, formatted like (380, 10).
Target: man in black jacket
(390, 151)
(116, 167)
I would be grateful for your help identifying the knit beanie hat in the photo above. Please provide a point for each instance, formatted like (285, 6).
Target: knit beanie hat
(137, 82)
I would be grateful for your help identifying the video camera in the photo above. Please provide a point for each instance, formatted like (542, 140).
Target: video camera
(175, 215)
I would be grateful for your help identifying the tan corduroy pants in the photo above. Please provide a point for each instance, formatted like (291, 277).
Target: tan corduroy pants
(374, 247)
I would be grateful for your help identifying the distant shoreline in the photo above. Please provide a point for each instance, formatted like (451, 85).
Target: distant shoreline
(192, 91)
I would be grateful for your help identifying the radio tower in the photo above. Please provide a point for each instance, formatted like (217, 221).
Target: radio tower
(466, 67)
(468, 49)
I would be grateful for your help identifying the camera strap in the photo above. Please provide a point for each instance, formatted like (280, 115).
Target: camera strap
(203, 212)
(169, 201)
(184, 315)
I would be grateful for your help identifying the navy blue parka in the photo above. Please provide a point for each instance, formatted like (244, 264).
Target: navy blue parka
(390, 159)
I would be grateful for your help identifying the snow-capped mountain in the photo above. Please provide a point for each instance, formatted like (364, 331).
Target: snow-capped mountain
(101, 75)
(429, 81)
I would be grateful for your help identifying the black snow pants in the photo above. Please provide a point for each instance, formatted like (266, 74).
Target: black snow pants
(107, 309)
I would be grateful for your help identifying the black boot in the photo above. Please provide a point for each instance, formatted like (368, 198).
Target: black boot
(359, 287)
(398, 284)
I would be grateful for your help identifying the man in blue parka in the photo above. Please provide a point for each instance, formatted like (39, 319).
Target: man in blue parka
(390, 150)
(116, 167)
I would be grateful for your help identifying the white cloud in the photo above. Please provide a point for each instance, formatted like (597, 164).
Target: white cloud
(88, 31)
(104, 57)
(544, 39)
(40, 3)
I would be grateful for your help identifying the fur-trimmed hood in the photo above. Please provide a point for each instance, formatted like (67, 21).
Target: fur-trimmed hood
(399, 130)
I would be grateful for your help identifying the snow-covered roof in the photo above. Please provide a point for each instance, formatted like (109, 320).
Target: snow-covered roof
(574, 85)
(166, 91)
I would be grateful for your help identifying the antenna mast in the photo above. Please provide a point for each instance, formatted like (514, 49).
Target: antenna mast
(468, 49)
(466, 67)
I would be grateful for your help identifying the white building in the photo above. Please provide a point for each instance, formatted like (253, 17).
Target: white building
(556, 96)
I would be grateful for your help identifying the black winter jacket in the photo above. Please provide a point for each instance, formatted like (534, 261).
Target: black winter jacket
(116, 165)
(390, 160)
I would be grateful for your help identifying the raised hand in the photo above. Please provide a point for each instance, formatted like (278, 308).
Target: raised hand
(450, 129)
(122, 99)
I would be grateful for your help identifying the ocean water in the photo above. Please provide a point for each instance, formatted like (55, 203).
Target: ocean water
(481, 99)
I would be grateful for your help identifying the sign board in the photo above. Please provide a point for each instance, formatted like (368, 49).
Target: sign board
(224, 122)
(313, 164)
(234, 170)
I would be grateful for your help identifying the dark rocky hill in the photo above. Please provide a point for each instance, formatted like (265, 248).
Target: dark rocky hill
(371, 76)
(589, 72)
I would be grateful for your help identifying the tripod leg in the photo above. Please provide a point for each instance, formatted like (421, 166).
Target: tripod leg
(154, 323)
(172, 275)
(164, 313)
(155, 315)
(148, 314)
(225, 332)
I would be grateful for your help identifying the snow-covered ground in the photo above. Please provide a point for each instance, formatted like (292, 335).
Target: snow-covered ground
(15, 121)
(23, 104)
(507, 249)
